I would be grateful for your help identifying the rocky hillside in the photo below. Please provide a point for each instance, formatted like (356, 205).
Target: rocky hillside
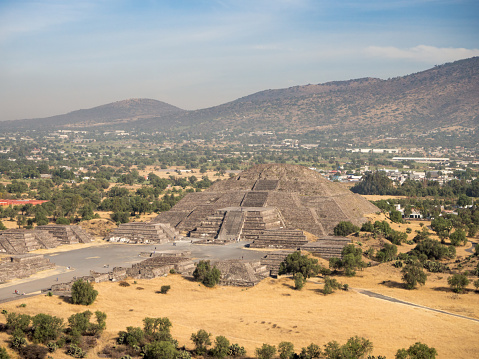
(442, 97)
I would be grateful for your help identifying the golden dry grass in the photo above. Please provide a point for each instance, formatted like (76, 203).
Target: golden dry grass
(273, 312)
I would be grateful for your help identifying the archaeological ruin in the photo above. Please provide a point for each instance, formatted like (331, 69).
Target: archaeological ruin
(271, 206)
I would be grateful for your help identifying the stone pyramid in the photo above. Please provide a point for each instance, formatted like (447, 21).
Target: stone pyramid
(293, 197)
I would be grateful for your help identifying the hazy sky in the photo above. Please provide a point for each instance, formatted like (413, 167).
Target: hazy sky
(57, 56)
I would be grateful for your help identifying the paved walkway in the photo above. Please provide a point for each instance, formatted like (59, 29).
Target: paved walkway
(79, 262)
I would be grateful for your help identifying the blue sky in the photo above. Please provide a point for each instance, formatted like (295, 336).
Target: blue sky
(58, 56)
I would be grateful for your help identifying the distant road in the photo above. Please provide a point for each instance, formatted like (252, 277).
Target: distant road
(95, 258)
(395, 300)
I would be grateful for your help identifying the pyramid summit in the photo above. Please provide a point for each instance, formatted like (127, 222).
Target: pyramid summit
(267, 197)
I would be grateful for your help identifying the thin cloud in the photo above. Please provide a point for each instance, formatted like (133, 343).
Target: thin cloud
(422, 53)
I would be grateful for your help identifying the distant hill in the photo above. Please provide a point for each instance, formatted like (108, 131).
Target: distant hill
(442, 97)
(106, 115)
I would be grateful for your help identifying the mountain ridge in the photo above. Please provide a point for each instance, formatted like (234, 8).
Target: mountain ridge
(442, 96)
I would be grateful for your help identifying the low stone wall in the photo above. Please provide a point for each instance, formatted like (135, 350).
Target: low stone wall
(23, 266)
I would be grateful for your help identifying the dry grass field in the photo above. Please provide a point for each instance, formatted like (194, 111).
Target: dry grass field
(273, 312)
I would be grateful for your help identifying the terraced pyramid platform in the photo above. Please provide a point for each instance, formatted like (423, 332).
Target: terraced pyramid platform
(267, 197)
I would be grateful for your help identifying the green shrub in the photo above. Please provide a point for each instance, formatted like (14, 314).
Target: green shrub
(83, 292)
(124, 284)
(160, 350)
(387, 253)
(435, 267)
(134, 336)
(183, 354)
(46, 328)
(75, 351)
(367, 227)
(17, 322)
(330, 284)
(18, 340)
(235, 350)
(62, 220)
(4, 354)
(164, 289)
(396, 237)
(33, 351)
(52, 347)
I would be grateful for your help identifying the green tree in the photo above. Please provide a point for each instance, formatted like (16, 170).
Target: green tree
(458, 237)
(298, 263)
(286, 350)
(221, 348)
(464, 200)
(374, 183)
(345, 228)
(201, 340)
(265, 352)
(204, 273)
(417, 351)
(458, 282)
(413, 274)
(351, 260)
(83, 292)
(356, 347)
